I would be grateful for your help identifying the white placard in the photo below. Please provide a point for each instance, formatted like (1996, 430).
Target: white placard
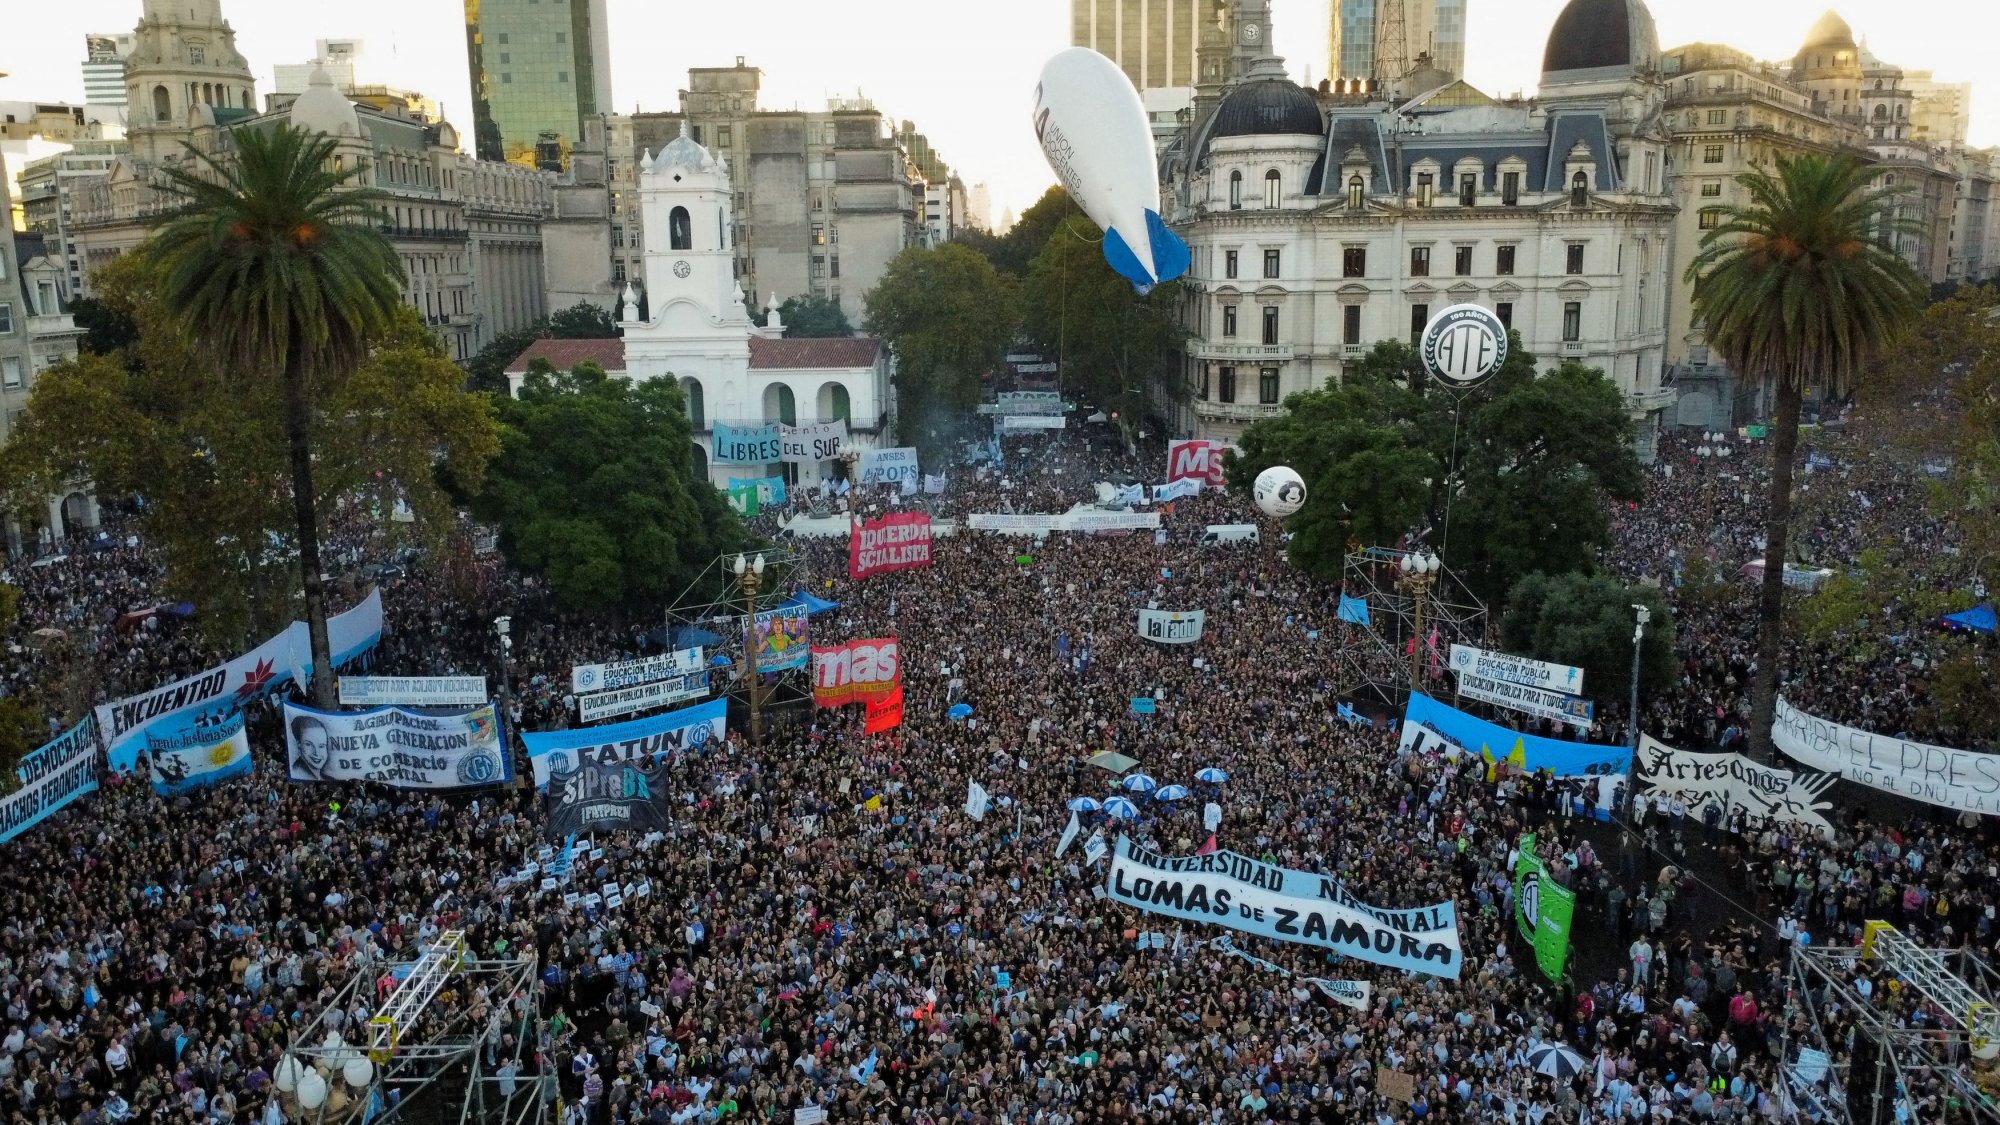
(1516, 669)
(1966, 780)
(1172, 627)
(643, 697)
(1528, 700)
(412, 691)
(1766, 793)
(629, 673)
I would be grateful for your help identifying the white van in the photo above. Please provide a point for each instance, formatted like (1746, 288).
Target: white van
(1219, 533)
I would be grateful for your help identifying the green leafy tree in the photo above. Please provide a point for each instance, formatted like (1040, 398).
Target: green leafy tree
(105, 328)
(813, 316)
(1116, 347)
(275, 267)
(581, 321)
(1587, 620)
(1800, 286)
(595, 490)
(1013, 252)
(1510, 478)
(19, 725)
(948, 316)
(487, 369)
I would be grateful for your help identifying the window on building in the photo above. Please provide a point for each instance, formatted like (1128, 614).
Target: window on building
(1711, 154)
(10, 373)
(1574, 263)
(1503, 261)
(819, 265)
(1225, 384)
(1204, 382)
(722, 135)
(1350, 324)
(1354, 261)
(1505, 311)
(196, 55)
(1235, 191)
(1229, 264)
(1270, 263)
(1712, 189)
(1420, 315)
(695, 132)
(506, 57)
(1354, 187)
(501, 39)
(1272, 183)
(562, 36)
(506, 78)
(1468, 189)
(1270, 324)
(617, 273)
(1426, 185)
(1420, 261)
(1461, 261)
(819, 234)
(1711, 217)
(1572, 321)
(6, 318)
(1267, 386)
(1229, 320)
(1718, 117)
(1510, 188)
(835, 266)
(1579, 190)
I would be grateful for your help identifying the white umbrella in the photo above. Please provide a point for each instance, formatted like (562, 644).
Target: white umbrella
(1555, 1060)
(1211, 775)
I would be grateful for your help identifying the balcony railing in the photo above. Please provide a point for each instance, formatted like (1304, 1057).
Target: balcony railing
(1236, 411)
(423, 234)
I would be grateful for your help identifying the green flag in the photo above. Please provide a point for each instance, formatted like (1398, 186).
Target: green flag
(745, 497)
(1542, 910)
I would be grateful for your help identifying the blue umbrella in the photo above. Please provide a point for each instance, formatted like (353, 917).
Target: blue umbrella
(1139, 783)
(1171, 793)
(1084, 804)
(1121, 809)
(1212, 775)
(959, 711)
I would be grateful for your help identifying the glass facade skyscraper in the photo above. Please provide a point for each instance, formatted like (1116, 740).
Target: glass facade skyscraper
(1430, 27)
(1152, 41)
(539, 67)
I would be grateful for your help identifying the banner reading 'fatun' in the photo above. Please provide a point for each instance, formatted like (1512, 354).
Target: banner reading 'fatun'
(894, 542)
(690, 728)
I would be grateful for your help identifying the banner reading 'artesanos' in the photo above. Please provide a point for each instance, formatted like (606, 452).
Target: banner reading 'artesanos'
(893, 542)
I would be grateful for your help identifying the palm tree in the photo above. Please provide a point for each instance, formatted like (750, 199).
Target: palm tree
(1801, 286)
(275, 265)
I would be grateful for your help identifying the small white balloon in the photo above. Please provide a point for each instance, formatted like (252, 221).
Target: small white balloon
(1985, 1049)
(359, 1071)
(1279, 491)
(312, 1090)
(286, 1076)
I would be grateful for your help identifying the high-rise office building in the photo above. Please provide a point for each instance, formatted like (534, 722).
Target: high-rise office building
(539, 67)
(104, 67)
(1153, 41)
(1387, 39)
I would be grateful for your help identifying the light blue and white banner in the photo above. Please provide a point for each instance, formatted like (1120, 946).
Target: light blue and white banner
(770, 490)
(1430, 726)
(1243, 894)
(631, 673)
(1129, 495)
(934, 485)
(1174, 490)
(199, 755)
(897, 465)
(398, 747)
(51, 777)
(747, 445)
(689, 729)
(198, 708)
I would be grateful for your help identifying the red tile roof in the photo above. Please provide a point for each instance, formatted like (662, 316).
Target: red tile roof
(842, 351)
(565, 354)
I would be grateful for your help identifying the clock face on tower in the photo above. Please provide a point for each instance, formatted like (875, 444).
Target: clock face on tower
(1252, 33)
(681, 269)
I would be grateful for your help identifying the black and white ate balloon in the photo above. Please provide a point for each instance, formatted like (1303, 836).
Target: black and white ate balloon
(1279, 492)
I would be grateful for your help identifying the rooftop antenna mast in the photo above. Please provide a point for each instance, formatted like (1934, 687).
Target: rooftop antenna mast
(1392, 43)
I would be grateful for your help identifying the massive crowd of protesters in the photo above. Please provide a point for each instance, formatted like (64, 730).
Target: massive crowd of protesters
(828, 928)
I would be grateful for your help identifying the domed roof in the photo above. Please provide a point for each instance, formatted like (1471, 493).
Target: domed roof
(1273, 106)
(1602, 34)
(1829, 31)
(684, 154)
(323, 109)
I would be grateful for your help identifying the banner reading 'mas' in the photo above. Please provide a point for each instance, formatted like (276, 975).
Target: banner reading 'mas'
(1228, 889)
(855, 672)
(398, 748)
(51, 777)
(690, 728)
(601, 795)
(893, 542)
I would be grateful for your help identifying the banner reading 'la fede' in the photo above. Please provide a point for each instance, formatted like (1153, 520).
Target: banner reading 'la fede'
(894, 542)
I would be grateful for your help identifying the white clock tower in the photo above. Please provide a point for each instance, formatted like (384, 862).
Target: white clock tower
(684, 199)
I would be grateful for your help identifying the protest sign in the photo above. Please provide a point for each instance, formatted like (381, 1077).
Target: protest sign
(884, 714)
(1196, 459)
(626, 673)
(396, 747)
(746, 445)
(1348, 993)
(51, 777)
(210, 750)
(1543, 909)
(641, 697)
(897, 541)
(896, 465)
(412, 691)
(1175, 489)
(1966, 780)
(1528, 700)
(600, 795)
(1516, 669)
(821, 441)
(780, 638)
(1067, 521)
(855, 672)
(1766, 794)
(1172, 627)
(689, 729)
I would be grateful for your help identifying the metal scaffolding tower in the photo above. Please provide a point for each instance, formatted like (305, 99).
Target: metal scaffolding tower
(430, 1053)
(1374, 654)
(1931, 1023)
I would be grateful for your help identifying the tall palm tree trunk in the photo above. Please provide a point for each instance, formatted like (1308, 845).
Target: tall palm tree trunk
(1771, 597)
(298, 426)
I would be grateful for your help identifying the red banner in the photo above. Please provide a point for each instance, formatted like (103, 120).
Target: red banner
(1196, 458)
(886, 713)
(856, 672)
(894, 542)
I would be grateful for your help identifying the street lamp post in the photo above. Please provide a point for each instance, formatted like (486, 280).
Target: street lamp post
(502, 628)
(1638, 635)
(1420, 572)
(751, 574)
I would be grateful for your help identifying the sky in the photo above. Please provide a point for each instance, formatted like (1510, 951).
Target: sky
(963, 70)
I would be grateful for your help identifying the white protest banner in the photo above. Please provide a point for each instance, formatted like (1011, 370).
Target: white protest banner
(1068, 521)
(57, 774)
(1172, 627)
(1966, 780)
(413, 691)
(640, 697)
(1030, 423)
(896, 465)
(977, 801)
(398, 748)
(1094, 848)
(1351, 993)
(1528, 700)
(1043, 403)
(1516, 669)
(822, 441)
(626, 673)
(1068, 836)
(1175, 489)
(1766, 794)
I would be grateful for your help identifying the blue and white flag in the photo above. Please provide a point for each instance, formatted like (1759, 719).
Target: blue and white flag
(1175, 489)
(1431, 726)
(207, 752)
(1126, 496)
(934, 484)
(559, 867)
